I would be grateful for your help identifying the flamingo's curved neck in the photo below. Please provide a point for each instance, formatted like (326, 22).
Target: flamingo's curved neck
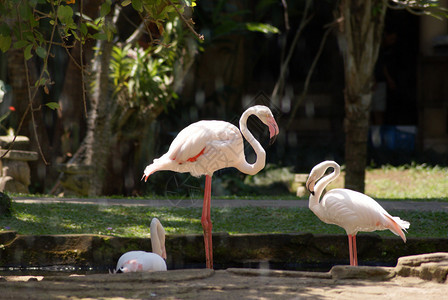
(157, 238)
(259, 164)
(324, 181)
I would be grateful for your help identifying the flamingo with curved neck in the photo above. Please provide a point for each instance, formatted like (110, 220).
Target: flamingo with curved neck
(348, 209)
(141, 261)
(207, 146)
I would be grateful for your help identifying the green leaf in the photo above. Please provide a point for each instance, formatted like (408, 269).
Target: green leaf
(5, 43)
(53, 105)
(4, 30)
(25, 11)
(262, 27)
(27, 52)
(42, 52)
(40, 82)
(83, 29)
(65, 14)
(20, 44)
(137, 5)
(125, 2)
(105, 9)
(100, 36)
(75, 35)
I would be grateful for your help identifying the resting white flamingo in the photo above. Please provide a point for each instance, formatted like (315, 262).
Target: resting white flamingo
(348, 209)
(141, 261)
(206, 146)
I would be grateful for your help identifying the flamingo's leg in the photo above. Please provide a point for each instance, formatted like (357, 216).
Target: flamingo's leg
(350, 249)
(207, 222)
(355, 253)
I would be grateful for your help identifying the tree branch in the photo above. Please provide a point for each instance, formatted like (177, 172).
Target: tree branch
(199, 36)
(308, 78)
(305, 20)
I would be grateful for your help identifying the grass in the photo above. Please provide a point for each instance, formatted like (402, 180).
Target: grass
(408, 182)
(134, 221)
(391, 183)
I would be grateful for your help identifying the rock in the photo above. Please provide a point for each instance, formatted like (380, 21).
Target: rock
(7, 183)
(15, 172)
(278, 273)
(21, 142)
(19, 170)
(432, 266)
(362, 272)
(19, 155)
(75, 179)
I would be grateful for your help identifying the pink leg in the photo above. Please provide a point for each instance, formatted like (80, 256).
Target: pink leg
(355, 253)
(207, 222)
(350, 249)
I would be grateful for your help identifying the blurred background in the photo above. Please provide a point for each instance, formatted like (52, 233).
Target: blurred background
(161, 81)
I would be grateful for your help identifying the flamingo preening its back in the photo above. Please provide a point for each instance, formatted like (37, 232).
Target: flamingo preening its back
(207, 146)
(142, 261)
(348, 209)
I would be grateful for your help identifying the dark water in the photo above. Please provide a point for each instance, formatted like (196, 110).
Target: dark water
(62, 270)
(65, 270)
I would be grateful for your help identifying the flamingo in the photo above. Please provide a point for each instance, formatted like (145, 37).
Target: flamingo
(349, 209)
(141, 261)
(207, 146)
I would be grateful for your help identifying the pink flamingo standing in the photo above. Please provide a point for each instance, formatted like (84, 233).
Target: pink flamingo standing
(207, 146)
(348, 209)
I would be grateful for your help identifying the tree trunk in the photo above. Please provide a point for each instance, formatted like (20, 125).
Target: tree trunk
(98, 140)
(71, 130)
(359, 41)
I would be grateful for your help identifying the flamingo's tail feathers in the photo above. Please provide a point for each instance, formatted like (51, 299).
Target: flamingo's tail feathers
(397, 226)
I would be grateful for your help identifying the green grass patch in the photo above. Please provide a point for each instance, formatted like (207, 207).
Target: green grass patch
(40, 219)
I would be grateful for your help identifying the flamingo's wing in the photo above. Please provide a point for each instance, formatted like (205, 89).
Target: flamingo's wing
(200, 138)
(152, 262)
(199, 149)
(355, 212)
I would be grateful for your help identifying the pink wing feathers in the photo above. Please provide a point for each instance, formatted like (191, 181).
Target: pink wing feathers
(356, 212)
(198, 147)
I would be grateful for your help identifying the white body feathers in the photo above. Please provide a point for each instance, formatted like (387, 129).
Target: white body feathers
(348, 209)
(206, 146)
(141, 261)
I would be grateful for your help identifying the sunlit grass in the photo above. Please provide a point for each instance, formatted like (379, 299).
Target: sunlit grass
(416, 182)
(135, 221)
(408, 182)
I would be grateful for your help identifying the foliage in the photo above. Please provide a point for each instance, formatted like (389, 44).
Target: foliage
(145, 77)
(28, 24)
(36, 26)
(224, 19)
(421, 7)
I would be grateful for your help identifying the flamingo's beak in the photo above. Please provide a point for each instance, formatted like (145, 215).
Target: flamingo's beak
(310, 186)
(273, 130)
(145, 177)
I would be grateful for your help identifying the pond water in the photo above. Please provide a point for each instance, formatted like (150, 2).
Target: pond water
(65, 270)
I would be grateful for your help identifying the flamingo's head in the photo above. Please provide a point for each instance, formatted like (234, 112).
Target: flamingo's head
(317, 172)
(131, 266)
(265, 115)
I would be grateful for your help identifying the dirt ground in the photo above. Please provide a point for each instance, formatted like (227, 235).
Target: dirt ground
(226, 284)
